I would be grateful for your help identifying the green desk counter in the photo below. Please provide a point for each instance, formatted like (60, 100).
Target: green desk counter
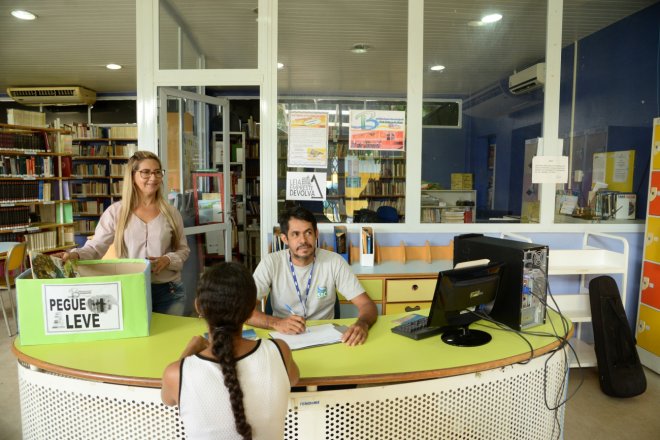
(406, 389)
(384, 358)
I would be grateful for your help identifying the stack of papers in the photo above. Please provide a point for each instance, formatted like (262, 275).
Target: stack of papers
(324, 334)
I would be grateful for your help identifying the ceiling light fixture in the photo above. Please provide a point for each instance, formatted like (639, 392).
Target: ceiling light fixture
(491, 18)
(360, 48)
(438, 68)
(280, 66)
(23, 15)
(113, 66)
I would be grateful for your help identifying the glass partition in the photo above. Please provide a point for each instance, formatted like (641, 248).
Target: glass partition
(473, 167)
(207, 34)
(343, 158)
(609, 96)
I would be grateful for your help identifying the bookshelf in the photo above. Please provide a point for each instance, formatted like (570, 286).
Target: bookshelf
(448, 206)
(238, 198)
(356, 179)
(97, 175)
(252, 202)
(35, 192)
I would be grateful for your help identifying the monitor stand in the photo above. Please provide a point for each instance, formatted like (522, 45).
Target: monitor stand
(464, 337)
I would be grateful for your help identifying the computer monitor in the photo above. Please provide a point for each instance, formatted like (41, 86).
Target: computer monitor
(458, 292)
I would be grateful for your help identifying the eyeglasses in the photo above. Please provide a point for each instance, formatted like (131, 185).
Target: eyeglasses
(158, 174)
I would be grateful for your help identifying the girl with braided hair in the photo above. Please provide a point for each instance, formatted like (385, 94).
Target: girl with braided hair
(229, 387)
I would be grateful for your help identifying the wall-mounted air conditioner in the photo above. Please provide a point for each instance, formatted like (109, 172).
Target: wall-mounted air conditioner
(74, 95)
(528, 79)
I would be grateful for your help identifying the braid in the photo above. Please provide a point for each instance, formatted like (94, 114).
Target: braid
(226, 296)
(223, 350)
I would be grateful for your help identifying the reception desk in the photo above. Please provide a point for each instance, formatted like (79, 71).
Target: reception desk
(405, 388)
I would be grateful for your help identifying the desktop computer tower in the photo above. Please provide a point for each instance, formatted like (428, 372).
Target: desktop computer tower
(521, 297)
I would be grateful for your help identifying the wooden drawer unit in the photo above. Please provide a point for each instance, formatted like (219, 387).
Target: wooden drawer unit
(409, 307)
(374, 289)
(409, 290)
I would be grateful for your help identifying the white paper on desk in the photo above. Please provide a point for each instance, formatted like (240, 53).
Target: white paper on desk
(323, 334)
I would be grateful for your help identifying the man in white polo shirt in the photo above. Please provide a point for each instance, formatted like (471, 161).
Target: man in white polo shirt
(303, 282)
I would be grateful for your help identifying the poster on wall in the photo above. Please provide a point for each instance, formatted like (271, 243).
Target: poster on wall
(308, 139)
(82, 308)
(377, 130)
(305, 186)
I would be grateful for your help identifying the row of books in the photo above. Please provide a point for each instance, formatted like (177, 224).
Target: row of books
(378, 188)
(85, 226)
(89, 189)
(26, 191)
(93, 207)
(22, 141)
(117, 187)
(102, 149)
(12, 236)
(393, 169)
(82, 130)
(14, 216)
(253, 208)
(252, 150)
(117, 169)
(90, 169)
(20, 166)
(40, 241)
(26, 118)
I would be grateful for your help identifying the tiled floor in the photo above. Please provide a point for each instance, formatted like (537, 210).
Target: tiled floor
(590, 413)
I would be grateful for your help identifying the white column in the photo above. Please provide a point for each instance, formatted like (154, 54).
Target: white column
(414, 106)
(551, 143)
(146, 18)
(268, 118)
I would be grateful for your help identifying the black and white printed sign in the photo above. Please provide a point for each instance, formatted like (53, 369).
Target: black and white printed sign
(82, 308)
(305, 185)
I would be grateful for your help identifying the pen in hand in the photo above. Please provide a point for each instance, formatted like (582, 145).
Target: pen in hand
(290, 309)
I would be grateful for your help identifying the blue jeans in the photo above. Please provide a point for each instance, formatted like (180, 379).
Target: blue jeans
(168, 298)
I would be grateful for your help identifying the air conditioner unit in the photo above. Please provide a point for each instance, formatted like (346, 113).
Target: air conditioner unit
(74, 95)
(528, 79)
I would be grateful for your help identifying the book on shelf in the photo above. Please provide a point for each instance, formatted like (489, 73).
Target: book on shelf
(65, 213)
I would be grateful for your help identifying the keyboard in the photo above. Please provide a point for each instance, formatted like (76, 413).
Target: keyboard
(416, 329)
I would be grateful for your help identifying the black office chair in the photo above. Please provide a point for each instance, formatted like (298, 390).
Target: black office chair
(269, 308)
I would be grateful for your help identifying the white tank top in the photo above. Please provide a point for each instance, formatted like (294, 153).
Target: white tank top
(204, 404)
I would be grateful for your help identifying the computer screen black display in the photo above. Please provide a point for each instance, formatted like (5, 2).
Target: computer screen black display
(458, 294)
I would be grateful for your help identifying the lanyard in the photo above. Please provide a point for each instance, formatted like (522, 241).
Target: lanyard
(295, 283)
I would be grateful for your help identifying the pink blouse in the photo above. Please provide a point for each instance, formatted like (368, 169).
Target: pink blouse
(141, 240)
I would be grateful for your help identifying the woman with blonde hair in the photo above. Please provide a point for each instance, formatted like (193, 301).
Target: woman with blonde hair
(144, 225)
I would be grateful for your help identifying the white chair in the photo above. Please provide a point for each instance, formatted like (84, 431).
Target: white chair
(13, 267)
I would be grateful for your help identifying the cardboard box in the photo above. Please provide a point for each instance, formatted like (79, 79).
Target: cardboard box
(461, 180)
(111, 300)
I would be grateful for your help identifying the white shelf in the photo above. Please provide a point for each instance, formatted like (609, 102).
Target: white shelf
(586, 261)
(590, 260)
(574, 307)
(585, 353)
